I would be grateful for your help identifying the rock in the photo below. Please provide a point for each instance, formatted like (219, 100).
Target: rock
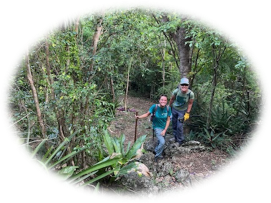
(167, 180)
(141, 169)
(183, 176)
(148, 160)
(164, 168)
(191, 143)
(172, 148)
(138, 183)
(150, 144)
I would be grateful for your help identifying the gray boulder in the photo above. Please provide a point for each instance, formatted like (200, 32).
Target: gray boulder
(172, 148)
(183, 176)
(139, 187)
(187, 147)
(164, 168)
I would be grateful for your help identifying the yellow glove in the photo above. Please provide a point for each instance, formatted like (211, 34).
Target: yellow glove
(186, 116)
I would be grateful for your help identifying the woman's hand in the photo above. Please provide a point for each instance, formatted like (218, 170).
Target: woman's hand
(163, 132)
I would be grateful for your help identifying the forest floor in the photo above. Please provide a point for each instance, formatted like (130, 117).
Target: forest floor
(202, 164)
(124, 122)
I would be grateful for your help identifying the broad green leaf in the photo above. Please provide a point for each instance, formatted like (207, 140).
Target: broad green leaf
(67, 171)
(116, 145)
(108, 142)
(83, 178)
(128, 147)
(47, 154)
(101, 165)
(99, 177)
(135, 147)
(124, 170)
(59, 147)
(67, 157)
(121, 141)
(207, 134)
(38, 147)
(57, 150)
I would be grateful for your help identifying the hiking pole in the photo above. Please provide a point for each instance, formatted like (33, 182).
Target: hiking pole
(135, 127)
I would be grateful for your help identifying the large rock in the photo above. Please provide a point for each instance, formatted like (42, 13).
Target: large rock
(137, 183)
(150, 144)
(164, 168)
(148, 160)
(187, 147)
(183, 176)
(172, 148)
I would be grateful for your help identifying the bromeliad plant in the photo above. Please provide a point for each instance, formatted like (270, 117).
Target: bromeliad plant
(118, 161)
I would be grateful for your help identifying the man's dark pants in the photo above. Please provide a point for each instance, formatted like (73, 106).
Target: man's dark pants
(177, 125)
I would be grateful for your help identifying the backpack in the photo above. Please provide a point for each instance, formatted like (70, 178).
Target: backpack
(153, 113)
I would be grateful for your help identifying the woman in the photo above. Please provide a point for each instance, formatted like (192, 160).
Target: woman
(160, 123)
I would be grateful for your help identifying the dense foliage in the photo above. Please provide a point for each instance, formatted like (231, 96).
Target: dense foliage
(80, 71)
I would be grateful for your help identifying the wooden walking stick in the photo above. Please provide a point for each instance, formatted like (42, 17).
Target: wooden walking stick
(135, 127)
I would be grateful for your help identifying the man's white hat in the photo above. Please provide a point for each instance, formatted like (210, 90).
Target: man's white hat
(184, 81)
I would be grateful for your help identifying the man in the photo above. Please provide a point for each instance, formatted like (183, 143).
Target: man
(181, 103)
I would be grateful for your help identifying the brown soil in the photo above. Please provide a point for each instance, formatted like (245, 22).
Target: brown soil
(125, 122)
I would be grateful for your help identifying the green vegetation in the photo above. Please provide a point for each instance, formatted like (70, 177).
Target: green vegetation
(68, 86)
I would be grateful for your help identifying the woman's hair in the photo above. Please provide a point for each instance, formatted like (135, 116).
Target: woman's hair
(162, 95)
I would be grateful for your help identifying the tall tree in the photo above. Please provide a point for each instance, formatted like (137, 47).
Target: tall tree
(96, 37)
(35, 96)
(180, 37)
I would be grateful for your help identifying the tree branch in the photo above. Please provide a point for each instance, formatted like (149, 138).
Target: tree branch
(170, 43)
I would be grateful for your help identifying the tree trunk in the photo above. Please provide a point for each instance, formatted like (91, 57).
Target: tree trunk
(181, 40)
(112, 89)
(184, 51)
(35, 96)
(127, 85)
(163, 52)
(96, 37)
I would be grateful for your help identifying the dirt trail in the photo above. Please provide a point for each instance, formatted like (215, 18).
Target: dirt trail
(124, 123)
